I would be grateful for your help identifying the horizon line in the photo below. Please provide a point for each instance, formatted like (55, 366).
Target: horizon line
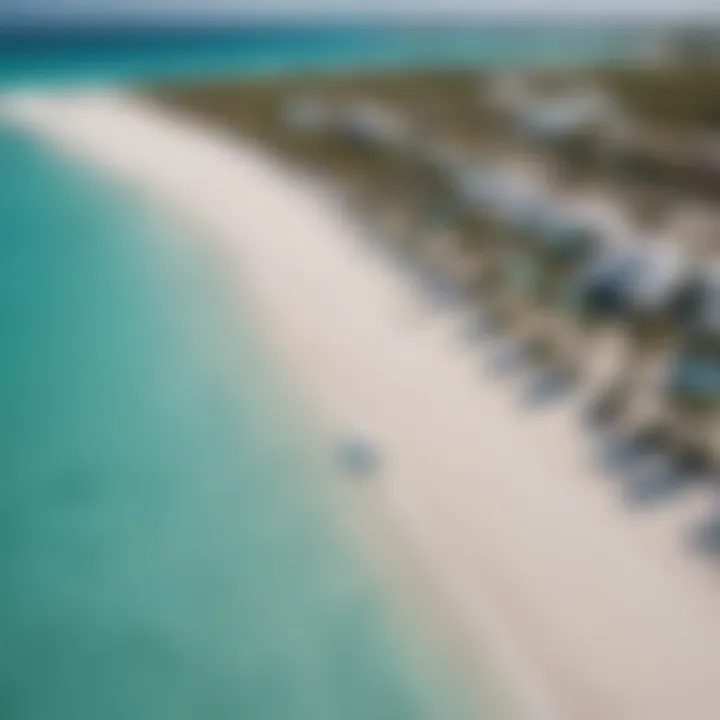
(14, 21)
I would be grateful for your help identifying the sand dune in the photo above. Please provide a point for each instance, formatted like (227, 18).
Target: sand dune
(594, 609)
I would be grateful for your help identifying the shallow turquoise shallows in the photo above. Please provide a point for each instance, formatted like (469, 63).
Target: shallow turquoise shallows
(164, 552)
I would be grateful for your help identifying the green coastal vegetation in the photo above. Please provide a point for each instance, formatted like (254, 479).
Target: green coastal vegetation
(675, 106)
(647, 137)
(673, 97)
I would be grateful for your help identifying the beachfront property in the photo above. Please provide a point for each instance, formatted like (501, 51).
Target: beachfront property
(550, 199)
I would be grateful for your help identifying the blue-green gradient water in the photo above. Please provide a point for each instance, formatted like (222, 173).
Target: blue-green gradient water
(164, 551)
(133, 54)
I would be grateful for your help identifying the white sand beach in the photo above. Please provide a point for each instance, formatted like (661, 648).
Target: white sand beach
(597, 610)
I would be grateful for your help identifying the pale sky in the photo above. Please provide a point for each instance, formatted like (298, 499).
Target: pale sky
(412, 8)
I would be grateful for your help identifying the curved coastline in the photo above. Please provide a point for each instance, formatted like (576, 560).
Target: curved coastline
(551, 576)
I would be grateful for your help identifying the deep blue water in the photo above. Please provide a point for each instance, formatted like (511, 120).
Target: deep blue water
(134, 54)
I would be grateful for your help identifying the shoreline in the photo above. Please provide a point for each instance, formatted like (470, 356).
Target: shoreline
(620, 621)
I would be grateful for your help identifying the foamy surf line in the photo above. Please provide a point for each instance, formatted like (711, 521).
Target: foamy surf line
(540, 569)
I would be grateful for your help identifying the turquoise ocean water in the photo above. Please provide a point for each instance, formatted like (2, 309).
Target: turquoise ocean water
(164, 550)
(135, 54)
(164, 554)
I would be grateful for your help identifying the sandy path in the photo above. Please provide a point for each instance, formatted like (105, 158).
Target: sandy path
(514, 519)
